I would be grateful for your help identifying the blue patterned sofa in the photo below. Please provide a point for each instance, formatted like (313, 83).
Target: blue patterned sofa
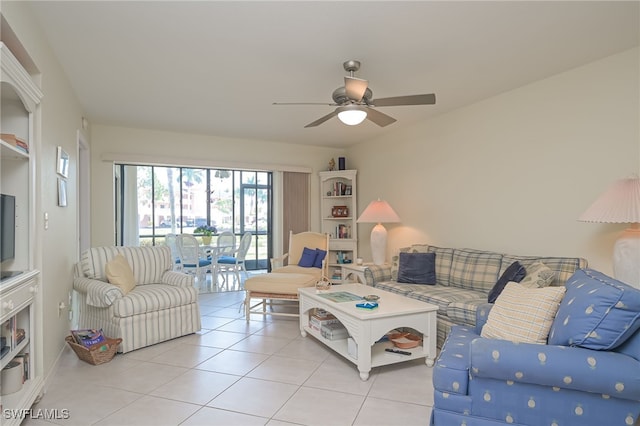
(464, 278)
(588, 374)
(163, 304)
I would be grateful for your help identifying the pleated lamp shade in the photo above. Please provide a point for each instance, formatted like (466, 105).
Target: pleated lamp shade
(620, 203)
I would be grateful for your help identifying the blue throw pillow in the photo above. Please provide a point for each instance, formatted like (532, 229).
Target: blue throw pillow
(417, 268)
(515, 272)
(597, 312)
(308, 258)
(320, 255)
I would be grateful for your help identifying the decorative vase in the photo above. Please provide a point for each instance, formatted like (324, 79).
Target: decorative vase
(206, 239)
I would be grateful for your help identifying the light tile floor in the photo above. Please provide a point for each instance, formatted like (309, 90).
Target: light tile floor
(234, 373)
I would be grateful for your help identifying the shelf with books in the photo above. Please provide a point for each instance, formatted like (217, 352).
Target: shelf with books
(21, 301)
(338, 217)
(9, 151)
(14, 337)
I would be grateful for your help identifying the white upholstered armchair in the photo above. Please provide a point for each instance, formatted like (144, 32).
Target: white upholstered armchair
(162, 305)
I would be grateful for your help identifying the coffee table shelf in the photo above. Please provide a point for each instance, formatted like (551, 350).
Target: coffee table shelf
(367, 327)
(379, 356)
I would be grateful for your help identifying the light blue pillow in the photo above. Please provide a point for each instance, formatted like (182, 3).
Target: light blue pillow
(597, 312)
(308, 258)
(320, 255)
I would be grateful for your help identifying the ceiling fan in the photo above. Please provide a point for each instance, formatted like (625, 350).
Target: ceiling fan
(355, 104)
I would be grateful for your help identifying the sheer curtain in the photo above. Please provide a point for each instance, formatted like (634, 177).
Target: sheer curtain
(129, 209)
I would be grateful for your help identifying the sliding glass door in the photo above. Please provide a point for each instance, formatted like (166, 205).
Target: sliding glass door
(254, 217)
(152, 201)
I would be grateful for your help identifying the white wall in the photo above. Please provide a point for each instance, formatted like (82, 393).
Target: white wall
(151, 146)
(61, 118)
(512, 173)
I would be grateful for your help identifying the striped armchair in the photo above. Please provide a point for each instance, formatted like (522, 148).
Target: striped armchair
(162, 306)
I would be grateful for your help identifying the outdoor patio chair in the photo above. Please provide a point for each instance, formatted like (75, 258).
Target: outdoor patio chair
(192, 258)
(235, 262)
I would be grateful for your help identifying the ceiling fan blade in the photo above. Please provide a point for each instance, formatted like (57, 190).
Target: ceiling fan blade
(303, 103)
(322, 119)
(379, 118)
(429, 99)
(355, 88)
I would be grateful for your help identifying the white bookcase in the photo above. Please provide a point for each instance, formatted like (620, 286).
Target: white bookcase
(20, 295)
(338, 218)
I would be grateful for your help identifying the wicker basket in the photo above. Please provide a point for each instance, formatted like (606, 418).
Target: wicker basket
(94, 355)
(323, 284)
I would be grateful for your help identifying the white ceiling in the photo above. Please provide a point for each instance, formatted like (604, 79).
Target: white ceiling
(215, 68)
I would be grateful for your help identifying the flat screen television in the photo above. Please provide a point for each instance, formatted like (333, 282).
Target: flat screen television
(7, 227)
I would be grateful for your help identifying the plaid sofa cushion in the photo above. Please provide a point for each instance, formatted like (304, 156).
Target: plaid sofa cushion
(396, 287)
(443, 296)
(464, 312)
(444, 258)
(474, 269)
(564, 267)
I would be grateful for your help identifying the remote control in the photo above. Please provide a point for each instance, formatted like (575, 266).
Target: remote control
(397, 351)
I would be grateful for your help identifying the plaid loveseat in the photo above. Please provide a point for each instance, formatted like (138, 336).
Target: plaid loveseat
(162, 306)
(464, 278)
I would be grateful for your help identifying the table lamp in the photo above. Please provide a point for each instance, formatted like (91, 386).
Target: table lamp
(620, 203)
(378, 211)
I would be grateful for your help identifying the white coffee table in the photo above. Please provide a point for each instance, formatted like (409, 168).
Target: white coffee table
(367, 327)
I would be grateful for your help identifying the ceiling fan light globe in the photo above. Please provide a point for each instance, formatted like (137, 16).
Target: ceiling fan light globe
(352, 117)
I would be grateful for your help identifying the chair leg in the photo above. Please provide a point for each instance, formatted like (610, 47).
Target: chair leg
(237, 274)
(198, 278)
(247, 305)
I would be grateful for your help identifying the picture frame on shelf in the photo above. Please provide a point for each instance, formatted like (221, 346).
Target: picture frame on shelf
(62, 162)
(342, 231)
(347, 190)
(340, 211)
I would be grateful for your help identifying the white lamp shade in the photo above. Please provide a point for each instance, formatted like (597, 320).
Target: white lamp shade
(378, 211)
(352, 115)
(620, 203)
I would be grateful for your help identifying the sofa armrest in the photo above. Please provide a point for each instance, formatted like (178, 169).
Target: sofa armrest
(98, 293)
(178, 279)
(482, 315)
(377, 273)
(564, 367)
